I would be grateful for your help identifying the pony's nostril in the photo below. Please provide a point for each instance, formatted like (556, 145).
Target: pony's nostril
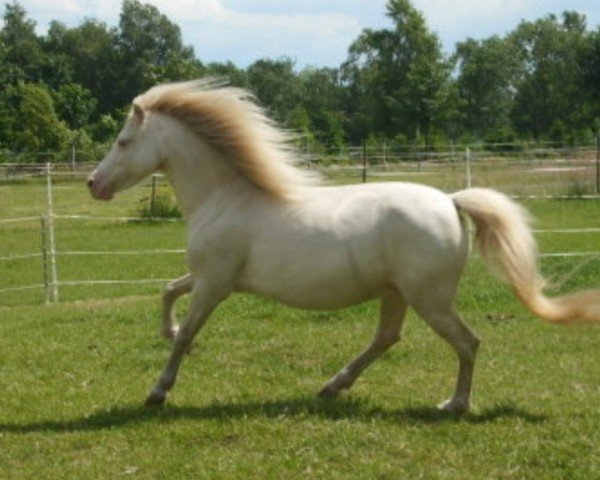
(90, 182)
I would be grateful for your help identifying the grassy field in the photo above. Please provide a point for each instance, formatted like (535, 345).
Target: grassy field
(73, 376)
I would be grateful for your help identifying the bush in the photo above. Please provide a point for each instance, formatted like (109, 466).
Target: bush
(163, 206)
(577, 189)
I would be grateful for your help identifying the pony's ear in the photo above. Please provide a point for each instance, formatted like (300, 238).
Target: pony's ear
(139, 112)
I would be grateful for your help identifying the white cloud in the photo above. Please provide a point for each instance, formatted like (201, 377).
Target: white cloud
(191, 10)
(458, 19)
(466, 12)
(247, 36)
(63, 8)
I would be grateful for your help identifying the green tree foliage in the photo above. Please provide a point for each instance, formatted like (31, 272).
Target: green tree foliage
(75, 105)
(549, 95)
(72, 86)
(86, 55)
(590, 82)
(396, 77)
(323, 101)
(30, 123)
(151, 49)
(488, 74)
(22, 56)
(276, 86)
(229, 73)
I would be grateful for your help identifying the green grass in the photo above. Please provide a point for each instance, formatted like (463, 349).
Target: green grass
(73, 376)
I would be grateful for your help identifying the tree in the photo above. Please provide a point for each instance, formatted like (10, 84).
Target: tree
(30, 124)
(229, 73)
(549, 101)
(276, 86)
(22, 56)
(299, 123)
(151, 50)
(590, 80)
(75, 105)
(86, 55)
(487, 77)
(396, 77)
(323, 102)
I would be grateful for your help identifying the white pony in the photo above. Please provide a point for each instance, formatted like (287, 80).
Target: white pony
(257, 224)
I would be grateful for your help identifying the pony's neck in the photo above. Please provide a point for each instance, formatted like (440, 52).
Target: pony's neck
(195, 170)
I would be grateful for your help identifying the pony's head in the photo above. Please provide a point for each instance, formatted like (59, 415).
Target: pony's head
(234, 130)
(135, 154)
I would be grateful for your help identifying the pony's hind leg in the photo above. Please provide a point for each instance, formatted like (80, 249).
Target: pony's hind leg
(448, 325)
(171, 293)
(393, 310)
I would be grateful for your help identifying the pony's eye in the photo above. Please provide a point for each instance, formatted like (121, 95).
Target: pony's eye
(122, 143)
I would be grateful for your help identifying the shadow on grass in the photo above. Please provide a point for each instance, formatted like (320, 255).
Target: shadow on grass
(300, 407)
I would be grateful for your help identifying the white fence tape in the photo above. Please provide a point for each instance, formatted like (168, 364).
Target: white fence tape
(568, 230)
(19, 220)
(22, 287)
(119, 252)
(570, 254)
(114, 282)
(117, 219)
(21, 257)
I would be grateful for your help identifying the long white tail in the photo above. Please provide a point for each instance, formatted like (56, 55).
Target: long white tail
(504, 238)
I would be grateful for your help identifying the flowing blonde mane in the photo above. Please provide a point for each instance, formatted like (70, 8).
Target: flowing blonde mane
(229, 119)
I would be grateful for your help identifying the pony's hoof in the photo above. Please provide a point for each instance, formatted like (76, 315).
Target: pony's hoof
(456, 407)
(171, 333)
(155, 399)
(328, 392)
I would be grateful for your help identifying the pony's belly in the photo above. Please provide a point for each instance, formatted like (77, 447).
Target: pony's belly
(322, 299)
(316, 289)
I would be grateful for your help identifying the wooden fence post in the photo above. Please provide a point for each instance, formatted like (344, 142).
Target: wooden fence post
(153, 194)
(364, 162)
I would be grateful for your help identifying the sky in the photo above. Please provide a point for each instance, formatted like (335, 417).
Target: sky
(311, 32)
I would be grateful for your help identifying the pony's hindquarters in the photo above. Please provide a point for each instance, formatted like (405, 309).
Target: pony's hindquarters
(507, 245)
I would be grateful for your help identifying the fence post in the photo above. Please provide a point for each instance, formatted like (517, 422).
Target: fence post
(385, 153)
(153, 194)
(468, 166)
(364, 162)
(45, 259)
(73, 157)
(51, 239)
(598, 164)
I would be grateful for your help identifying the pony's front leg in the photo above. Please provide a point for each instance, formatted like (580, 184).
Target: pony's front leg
(205, 297)
(171, 293)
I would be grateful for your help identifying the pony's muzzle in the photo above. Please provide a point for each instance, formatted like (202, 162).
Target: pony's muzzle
(98, 189)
